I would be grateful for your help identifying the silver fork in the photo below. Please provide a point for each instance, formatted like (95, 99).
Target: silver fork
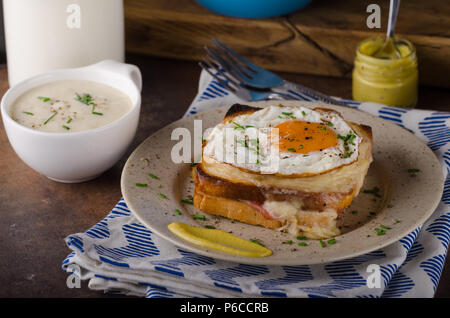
(253, 76)
(236, 88)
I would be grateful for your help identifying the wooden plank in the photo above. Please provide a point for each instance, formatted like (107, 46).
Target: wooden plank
(319, 40)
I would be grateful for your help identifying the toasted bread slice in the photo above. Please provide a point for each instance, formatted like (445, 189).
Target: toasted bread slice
(314, 225)
(213, 186)
(232, 209)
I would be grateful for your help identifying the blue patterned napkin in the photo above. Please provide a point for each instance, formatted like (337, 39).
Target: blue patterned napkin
(120, 255)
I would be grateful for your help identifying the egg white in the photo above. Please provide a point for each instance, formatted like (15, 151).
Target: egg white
(244, 142)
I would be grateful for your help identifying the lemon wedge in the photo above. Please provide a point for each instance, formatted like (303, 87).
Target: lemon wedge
(218, 240)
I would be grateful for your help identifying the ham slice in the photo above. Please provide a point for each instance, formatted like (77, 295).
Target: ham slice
(259, 207)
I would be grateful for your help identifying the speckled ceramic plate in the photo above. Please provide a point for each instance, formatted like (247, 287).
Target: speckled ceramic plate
(406, 199)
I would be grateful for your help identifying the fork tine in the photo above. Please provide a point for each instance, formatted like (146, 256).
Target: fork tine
(238, 57)
(231, 57)
(204, 64)
(242, 67)
(218, 69)
(226, 63)
(232, 63)
(231, 60)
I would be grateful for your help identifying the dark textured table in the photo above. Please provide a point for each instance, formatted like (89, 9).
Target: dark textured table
(36, 214)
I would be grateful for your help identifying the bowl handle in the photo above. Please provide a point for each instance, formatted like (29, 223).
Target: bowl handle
(128, 70)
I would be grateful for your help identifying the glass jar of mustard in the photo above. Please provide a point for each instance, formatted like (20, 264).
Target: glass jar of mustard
(389, 80)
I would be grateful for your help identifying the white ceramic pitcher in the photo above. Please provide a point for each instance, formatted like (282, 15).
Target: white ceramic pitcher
(44, 35)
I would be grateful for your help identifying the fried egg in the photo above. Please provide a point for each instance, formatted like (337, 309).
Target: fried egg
(285, 140)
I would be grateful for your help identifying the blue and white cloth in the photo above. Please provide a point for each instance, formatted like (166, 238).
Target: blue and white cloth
(120, 255)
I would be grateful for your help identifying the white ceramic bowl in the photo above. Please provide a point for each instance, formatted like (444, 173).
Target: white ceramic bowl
(78, 156)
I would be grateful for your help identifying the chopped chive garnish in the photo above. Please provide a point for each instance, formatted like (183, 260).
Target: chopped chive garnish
(237, 126)
(301, 147)
(69, 121)
(385, 227)
(291, 149)
(348, 139)
(199, 217)
(256, 242)
(397, 221)
(289, 242)
(286, 113)
(162, 196)
(380, 231)
(211, 227)
(243, 143)
(331, 241)
(301, 238)
(85, 99)
(293, 117)
(45, 122)
(44, 99)
(153, 176)
(141, 185)
(193, 164)
(323, 128)
(177, 211)
(65, 127)
(330, 124)
(249, 126)
(348, 154)
(375, 191)
(302, 244)
(303, 113)
(28, 113)
(322, 243)
(93, 109)
(413, 170)
(187, 201)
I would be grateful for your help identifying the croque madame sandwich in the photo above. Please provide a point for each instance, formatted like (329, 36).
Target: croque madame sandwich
(290, 168)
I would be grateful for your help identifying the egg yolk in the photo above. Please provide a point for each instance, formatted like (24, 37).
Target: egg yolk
(303, 137)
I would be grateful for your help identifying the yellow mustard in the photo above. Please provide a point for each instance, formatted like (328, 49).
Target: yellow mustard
(383, 77)
(218, 240)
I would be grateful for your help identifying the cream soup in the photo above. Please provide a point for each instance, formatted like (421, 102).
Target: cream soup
(70, 106)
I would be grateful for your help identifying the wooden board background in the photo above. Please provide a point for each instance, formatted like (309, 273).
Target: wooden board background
(320, 39)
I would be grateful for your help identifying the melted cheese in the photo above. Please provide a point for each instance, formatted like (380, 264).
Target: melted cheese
(312, 224)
